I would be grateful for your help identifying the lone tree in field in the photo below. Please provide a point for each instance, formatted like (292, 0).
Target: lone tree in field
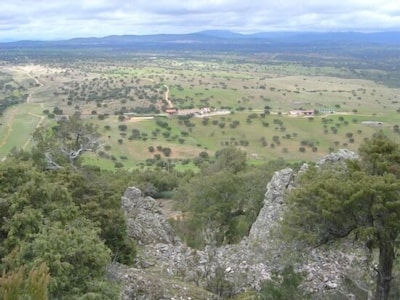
(359, 200)
(65, 142)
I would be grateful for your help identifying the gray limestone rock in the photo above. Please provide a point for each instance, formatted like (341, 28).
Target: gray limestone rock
(140, 284)
(145, 222)
(340, 156)
(244, 265)
(271, 212)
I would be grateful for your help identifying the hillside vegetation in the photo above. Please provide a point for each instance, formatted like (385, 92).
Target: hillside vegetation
(204, 130)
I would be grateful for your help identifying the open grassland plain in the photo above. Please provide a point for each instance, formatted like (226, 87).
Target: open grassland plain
(250, 103)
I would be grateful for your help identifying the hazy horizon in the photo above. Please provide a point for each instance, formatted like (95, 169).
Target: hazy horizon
(66, 19)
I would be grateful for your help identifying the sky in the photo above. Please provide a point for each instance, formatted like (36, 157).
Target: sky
(64, 19)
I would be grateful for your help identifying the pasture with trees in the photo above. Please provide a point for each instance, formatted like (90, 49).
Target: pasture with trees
(244, 101)
(202, 130)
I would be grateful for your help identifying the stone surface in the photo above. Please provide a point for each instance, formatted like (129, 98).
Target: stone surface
(271, 212)
(145, 222)
(142, 284)
(245, 265)
(340, 156)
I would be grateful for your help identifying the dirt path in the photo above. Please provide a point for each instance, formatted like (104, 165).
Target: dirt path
(41, 119)
(29, 99)
(167, 96)
(9, 128)
(14, 110)
(31, 77)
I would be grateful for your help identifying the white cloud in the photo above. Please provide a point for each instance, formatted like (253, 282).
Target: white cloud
(41, 19)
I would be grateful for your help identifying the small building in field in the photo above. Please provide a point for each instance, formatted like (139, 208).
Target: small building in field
(305, 113)
(171, 111)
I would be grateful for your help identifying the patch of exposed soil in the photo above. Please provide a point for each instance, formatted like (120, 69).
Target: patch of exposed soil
(168, 210)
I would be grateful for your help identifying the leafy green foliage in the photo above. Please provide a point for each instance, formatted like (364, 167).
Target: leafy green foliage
(223, 200)
(98, 195)
(360, 200)
(69, 219)
(156, 183)
(230, 159)
(74, 253)
(64, 143)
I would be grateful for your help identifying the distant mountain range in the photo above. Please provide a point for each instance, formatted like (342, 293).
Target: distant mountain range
(306, 37)
(217, 38)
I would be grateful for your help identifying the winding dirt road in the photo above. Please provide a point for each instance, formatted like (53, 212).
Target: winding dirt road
(167, 96)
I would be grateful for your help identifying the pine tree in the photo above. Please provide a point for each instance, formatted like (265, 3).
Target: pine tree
(361, 199)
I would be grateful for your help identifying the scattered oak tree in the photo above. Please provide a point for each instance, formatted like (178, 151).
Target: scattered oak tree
(65, 142)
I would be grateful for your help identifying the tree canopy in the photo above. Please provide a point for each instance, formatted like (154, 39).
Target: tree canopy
(67, 218)
(55, 218)
(65, 142)
(360, 199)
(223, 200)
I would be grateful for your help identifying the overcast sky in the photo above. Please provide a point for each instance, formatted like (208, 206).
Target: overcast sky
(61, 19)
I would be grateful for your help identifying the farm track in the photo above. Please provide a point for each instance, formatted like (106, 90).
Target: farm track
(9, 128)
(33, 78)
(41, 119)
(29, 100)
(14, 111)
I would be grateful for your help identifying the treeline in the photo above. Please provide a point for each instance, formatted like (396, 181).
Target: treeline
(10, 101)
(12, 92)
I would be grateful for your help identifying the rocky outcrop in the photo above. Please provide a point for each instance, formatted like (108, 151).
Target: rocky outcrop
(271, 212)
(339, 157)
(336, 157)
(162, 256)
(145, 222)
(174, 271)
(144, 284)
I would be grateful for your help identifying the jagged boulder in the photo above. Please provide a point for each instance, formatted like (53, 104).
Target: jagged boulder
(340, 156)
(145, 222)
(162, 256)
(244, 265)
(271, 212)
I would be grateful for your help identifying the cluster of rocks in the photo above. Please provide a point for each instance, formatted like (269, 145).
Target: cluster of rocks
(168, 267)
(336, 157)
(145, 221)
